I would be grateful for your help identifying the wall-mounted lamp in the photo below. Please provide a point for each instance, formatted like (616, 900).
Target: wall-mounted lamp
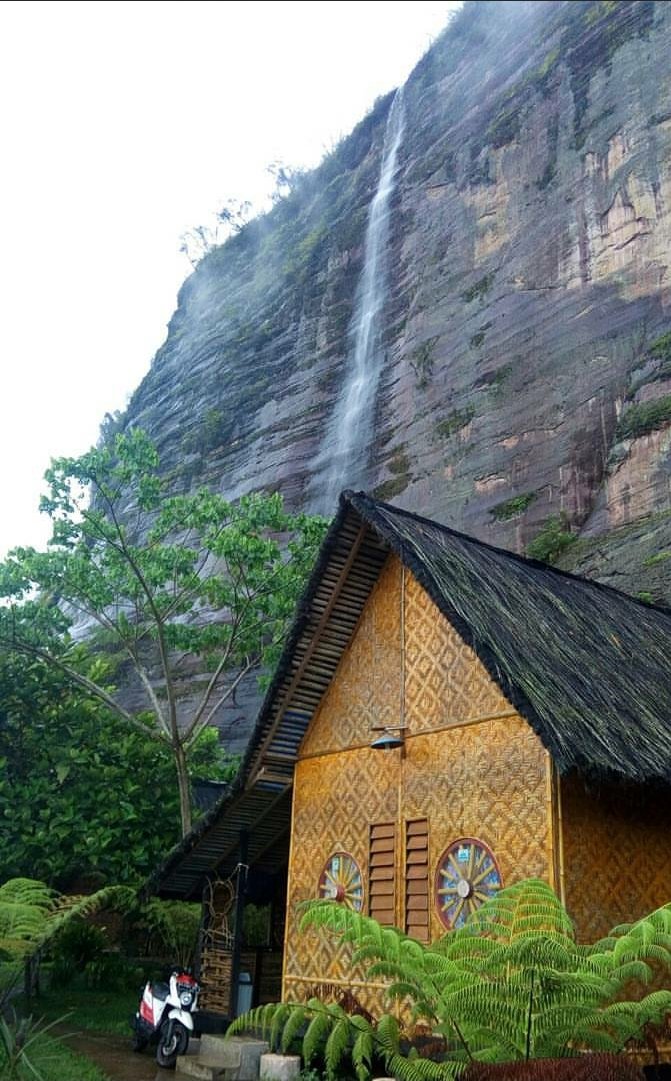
(388, 741)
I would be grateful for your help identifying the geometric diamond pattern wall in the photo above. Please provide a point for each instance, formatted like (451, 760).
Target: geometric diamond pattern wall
(471, 767)
(617, 855)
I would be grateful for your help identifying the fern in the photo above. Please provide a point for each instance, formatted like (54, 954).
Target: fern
(315, 1036)
(511, 984)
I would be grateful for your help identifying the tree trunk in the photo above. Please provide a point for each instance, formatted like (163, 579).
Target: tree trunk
(184, 788)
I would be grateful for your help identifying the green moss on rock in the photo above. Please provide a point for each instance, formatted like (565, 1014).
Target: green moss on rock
(454, 422)
(644, 417)
(479, 290)
(512, 508)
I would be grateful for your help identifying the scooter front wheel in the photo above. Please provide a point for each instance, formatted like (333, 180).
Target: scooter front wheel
(172, 1042)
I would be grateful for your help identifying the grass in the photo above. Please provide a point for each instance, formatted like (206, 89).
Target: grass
(98, 1011)
(9, 972)
(56, 1062)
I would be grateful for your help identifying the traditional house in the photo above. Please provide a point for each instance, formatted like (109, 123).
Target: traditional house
(526, 716)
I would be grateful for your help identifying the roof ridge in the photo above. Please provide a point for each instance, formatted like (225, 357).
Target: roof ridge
(354, 498)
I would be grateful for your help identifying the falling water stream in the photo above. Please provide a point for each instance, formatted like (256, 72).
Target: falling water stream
(343, 459)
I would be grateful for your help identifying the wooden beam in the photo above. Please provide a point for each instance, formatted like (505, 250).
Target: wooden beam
(285, 699)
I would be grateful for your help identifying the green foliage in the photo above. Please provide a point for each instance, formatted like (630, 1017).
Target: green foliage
(661, 347)
(96, 1008)
(659, 557)
(26, 906)
(256, 925)
(553, 539)
(32, 915)
(512, 984)
(479, 290)
(421, 362)
(323, 1032)
(644, 417)
(454, 422)
(20, 1039)
(76, 945)
(29, 1052)
(504, 128)
(171, 577)
(512, 508)
(74, 797)
(172, 927)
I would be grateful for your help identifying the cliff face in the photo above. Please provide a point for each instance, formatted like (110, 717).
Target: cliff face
(526, 385)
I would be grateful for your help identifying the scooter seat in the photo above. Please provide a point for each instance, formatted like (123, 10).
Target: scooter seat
(160, 990)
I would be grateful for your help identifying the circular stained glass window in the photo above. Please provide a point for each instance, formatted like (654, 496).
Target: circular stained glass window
(341, 881)
(467, 875)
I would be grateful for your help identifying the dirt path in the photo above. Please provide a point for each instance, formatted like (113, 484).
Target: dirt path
(114, 1056)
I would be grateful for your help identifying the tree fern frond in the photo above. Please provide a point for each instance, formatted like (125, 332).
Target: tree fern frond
(256, 1020)
(337, 1045)
(388, 1034)
(316, 1036)
(362, 1054)
(279, 1019)
(422, 1069)
(293, 1028)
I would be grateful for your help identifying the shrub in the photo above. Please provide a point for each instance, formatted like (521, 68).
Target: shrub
(172, 928)
(588, 1068)
(644, 417)
(512, 508)
(553, 539)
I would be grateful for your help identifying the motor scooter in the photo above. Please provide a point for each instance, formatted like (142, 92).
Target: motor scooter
(164, 1016)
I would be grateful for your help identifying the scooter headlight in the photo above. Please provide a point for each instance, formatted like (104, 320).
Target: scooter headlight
(186, 998)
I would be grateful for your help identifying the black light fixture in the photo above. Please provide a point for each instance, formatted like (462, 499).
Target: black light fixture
(388, 741)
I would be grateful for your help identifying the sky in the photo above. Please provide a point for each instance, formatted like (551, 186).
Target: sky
(123, 125)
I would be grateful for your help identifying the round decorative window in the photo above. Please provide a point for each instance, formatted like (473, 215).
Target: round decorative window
(467, 875)
(341, 881)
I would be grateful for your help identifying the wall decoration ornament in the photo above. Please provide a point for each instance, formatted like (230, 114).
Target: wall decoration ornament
(341, 881)
(467, 874)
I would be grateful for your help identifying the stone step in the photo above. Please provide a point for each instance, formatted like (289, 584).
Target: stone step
(190, 1069)
(280, 1067)
(219, 1059)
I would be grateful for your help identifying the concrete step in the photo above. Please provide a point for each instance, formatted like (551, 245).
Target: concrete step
(238, 1057)
(190, 1069)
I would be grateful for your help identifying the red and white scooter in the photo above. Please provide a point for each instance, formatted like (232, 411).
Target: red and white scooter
(165, 1015)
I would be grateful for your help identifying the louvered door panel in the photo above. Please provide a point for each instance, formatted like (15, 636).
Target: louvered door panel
(382, 867)
(417, 879)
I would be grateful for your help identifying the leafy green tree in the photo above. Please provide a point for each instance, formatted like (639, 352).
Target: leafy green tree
(512, 984)
(81, 794)
(162, 579)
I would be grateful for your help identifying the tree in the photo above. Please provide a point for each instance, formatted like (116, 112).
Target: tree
(161, 580)
(75, 802)
(512, 984)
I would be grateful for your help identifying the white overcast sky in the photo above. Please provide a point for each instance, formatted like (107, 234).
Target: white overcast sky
(122, 125)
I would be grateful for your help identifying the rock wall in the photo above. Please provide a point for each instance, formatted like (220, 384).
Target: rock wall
(527, 380)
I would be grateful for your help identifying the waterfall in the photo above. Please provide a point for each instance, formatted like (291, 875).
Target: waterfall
(343, 459)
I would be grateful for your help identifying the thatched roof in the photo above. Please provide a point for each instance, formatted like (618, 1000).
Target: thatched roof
(587, 666)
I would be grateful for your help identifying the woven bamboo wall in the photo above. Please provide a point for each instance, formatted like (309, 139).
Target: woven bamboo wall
(471, 767)
(617, 856)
